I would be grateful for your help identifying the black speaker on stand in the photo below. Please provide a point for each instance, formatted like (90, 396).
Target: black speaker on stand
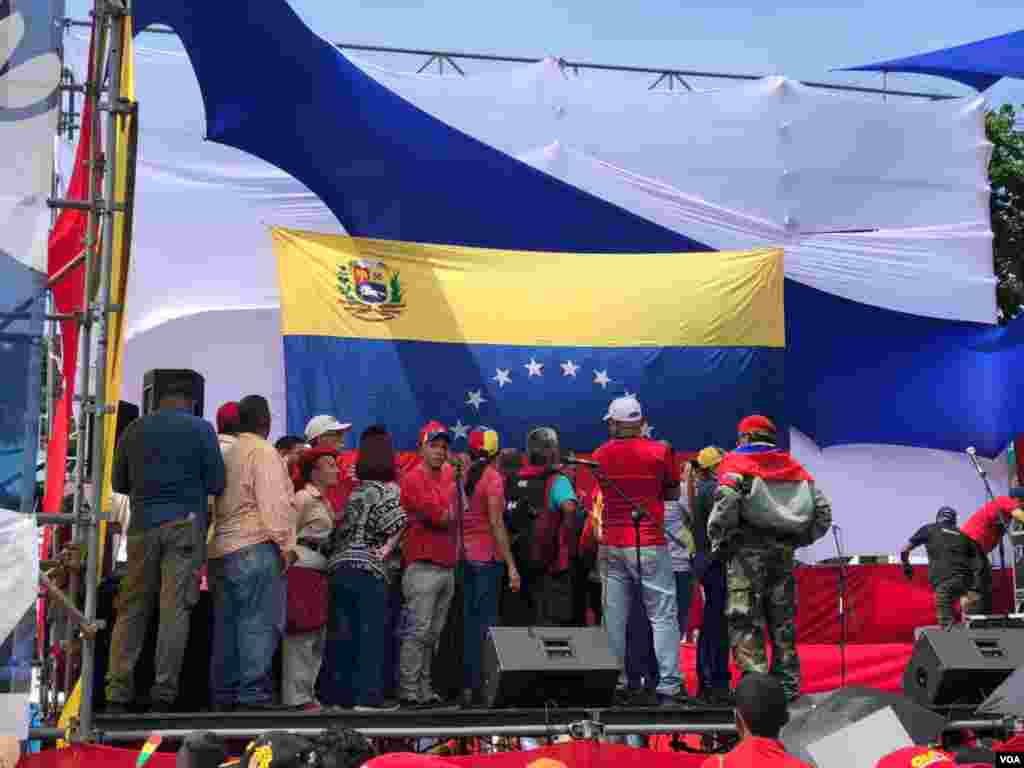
(156, 382)
(961, 666)
(126, 414)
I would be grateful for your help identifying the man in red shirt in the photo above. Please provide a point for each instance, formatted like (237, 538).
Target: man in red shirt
(760, 714)
(327, 431)
(429, 553)
(985, 528)
(639, 474)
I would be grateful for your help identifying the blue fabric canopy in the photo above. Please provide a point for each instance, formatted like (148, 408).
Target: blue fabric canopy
(979, 64)
(388, 170)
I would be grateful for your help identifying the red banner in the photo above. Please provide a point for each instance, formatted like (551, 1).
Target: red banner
(574, 754)
(66, 243)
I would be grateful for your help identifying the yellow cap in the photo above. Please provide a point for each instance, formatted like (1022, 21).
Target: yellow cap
(709, 457)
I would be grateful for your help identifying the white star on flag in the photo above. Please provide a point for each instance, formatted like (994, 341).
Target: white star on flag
(502, 378)
(601, 377)
(647, 430)
(475, 398)
(569, 368)
(535, 368)
(460, 430)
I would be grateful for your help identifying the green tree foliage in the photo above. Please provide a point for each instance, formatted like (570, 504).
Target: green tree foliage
(1006, 176)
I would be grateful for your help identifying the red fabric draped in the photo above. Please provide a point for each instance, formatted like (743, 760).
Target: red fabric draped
(576, 754)
(872, 591)
(66, 242)
(773, 466)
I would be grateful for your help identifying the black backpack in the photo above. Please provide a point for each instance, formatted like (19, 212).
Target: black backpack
(532, 527)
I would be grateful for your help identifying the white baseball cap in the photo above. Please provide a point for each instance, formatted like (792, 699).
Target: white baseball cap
(321, 425)
(625, 409)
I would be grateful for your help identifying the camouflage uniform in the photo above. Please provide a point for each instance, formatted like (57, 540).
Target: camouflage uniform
(761, 584)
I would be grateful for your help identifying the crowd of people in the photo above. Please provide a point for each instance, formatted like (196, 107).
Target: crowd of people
(347, 562)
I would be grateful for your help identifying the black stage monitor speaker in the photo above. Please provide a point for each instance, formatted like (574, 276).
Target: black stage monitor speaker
(532, 666)
(961, 666)
(126, 414)
(155, 383)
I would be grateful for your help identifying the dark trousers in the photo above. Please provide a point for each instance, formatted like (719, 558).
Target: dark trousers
(393, 640)
(641, 663)
(161, 577)
(356, 643)
(713, 643)
(551, 596)
(248, 589)
(480, 592)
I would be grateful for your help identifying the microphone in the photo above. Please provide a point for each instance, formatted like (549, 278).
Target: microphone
(973, 456)
(581, 462)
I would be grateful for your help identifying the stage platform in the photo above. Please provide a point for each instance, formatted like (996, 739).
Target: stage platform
(445, 722)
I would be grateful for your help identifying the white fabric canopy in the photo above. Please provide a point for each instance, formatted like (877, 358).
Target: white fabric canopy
(203, 286)
(763, 162)
(28, 121)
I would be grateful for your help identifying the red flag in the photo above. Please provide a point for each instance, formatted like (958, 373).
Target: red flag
(66, 243)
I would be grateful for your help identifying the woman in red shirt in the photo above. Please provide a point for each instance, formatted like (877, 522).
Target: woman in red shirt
(487, 555)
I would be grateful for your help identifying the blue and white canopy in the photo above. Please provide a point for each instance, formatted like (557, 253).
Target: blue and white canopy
(882, 209)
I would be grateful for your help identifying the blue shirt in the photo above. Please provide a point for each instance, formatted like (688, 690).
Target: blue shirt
(168, 462)
(561, 491)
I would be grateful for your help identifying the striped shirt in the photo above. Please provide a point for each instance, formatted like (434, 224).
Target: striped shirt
(258, 504)
(373, 515)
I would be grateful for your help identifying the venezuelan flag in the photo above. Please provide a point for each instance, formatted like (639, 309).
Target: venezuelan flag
(399, 333)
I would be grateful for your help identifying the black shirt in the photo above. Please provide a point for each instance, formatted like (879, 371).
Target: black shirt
(703, 503)
(949, 551)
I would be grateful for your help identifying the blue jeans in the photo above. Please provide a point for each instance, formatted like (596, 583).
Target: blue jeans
(480, 591)
(713, 643)
(356, 639)
(659, 598)
(641, 663)
(248, 589)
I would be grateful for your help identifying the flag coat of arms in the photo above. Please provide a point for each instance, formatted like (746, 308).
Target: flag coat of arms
(394, 333)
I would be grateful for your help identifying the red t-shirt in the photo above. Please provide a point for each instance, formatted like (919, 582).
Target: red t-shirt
(755, 751)
(643, 470)
(476, 525)
(337, 496)
(426, 498)
(984, 525)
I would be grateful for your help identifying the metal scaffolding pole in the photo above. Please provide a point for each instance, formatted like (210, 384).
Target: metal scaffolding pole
(111, 14)
(80, 533)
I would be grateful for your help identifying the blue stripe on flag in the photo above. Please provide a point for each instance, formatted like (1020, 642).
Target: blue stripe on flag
(693, 396)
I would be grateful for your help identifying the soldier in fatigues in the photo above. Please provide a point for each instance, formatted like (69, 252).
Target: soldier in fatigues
(766, 507)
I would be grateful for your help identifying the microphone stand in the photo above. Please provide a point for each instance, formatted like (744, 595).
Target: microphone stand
(842, 605)
(637, 513)
(1002, 527)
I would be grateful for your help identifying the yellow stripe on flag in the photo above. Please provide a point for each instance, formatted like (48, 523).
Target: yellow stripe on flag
(118, 273)
(378, 289)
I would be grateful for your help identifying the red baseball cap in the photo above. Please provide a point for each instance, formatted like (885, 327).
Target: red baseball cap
(756, 423)
(433, 430)
(916, 757)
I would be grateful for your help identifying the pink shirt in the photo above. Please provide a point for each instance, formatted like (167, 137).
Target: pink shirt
(476, 525)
